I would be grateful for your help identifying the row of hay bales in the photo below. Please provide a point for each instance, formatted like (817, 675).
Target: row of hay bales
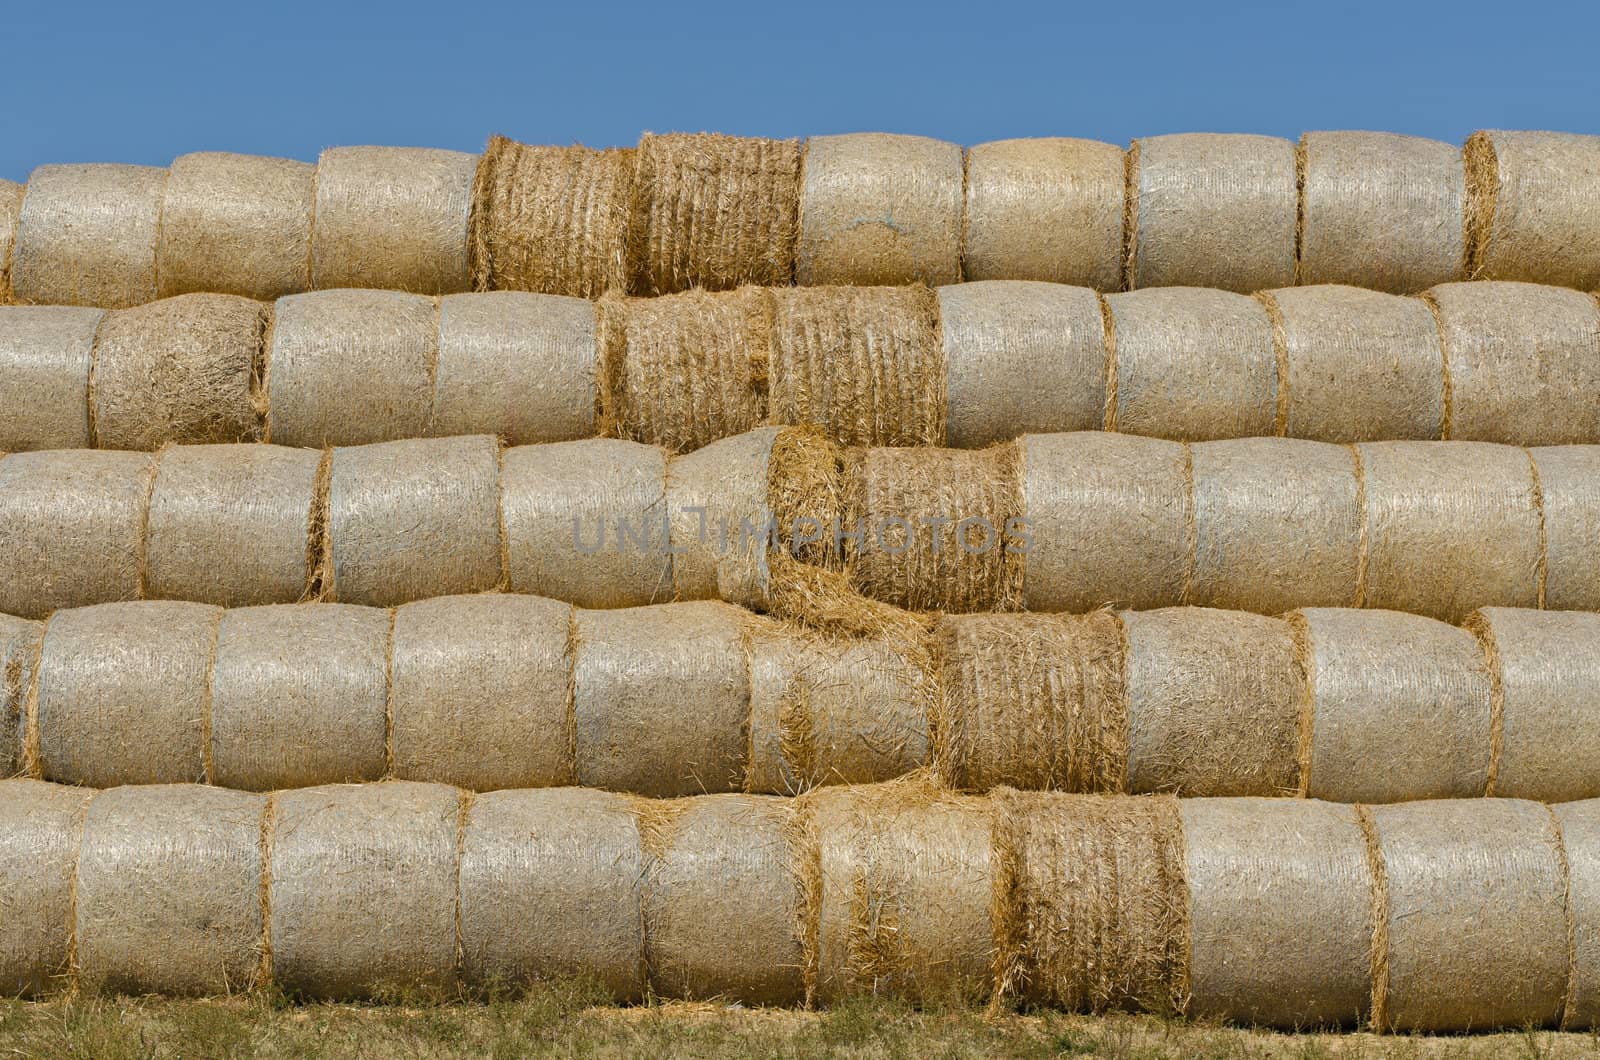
(502, 691)
(1239, 212)
(966, 365)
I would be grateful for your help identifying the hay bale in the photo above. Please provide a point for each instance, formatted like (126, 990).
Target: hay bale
(1357, 366)
(719, 519)
(1449, 527)
(480, 692)
(1381, 210)
(351, 367)
(1569, 494)
(392, 217)
(1521, 362)
(1190, 364)
(714, 212)
(40, 825)
(1476, 925)
(10, 210)
(71, 527)
(363, 890)
(169, 891)
(879, 208)
(1212, 210)
(19, 651)
(86, 235)
(236, 224)
(1579, 823)
(1280, 912)
(1048, 208)
(1021, 358)
(45, 358)
(1533, 207)
(299, 695)
(521, 366)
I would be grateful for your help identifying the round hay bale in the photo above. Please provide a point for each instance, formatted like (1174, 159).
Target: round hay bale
(1021, 358)
(71, 528)
(169, 891)
(299, 695)
(236, 224)
(392, 218)
(1569, 494)
(1213, 703)
(1477, 925)
(1048, 208)
(480, 692)
(351, 367)
(1580, 840)
(879, 208)
(10, 210)
(586, 522)
(521, 366)
(720, 520)
(20, 641)
(1280, 912)
(184, 369)
(1522, 362)
(1212, 210)
(87, 236)
(1108, 519)
(1449, 527)
(45, 357)
(1277, 524)
(363, 890)
(1357, 366)
(714, 212)
(551, 886)
(40, 825)
(1381, 210)
(1534, 201)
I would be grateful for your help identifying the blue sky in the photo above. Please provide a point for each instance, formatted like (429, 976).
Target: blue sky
(128, 83)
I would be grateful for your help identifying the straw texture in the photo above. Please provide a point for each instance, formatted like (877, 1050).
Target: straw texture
(1579, 823)
(45, 358)
(10, 210)
(236, 224)
(719, 520)
(87, 236)
(39, 832)
(1533, 208)
(19, 652)
(1568, 492)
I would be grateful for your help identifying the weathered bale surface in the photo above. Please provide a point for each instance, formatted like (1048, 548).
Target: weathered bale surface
(87, 236)
(1045, 209)
(45, 358)
(719, 519)
(19, 651)
(1569, 492)
(1212, 210)
(880, 208)
(1535, 207)
(39, 829)
(1579, 823)
(392, 218)
(168, 896)
(236, 224)
(1381, 211)
(10, 210)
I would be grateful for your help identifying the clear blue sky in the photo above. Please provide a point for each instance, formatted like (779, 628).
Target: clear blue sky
(136, 83)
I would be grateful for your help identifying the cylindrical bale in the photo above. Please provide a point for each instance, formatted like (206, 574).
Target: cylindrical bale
(1399, 707)
(45, 357)
(123, 692)
(299, 695)
(880, 208)
(1048, 208)
(1523, 362)
(1476, 926)
(1108, 519)
(1191, 364)
(586, 522)
(413, 519)
(1449, 527)
(721, 902)
(1021, 358)
(87, 236)
(719, 519)
(1277, 524)
(71, 527)
(1381, 211)
(521, 366)
(714, 212)
(10, 210)
(392, 218)
(237, 224)
(1357, 365)
(1535, 207)
(1213, 703)
(19, 652)
(351, 367)
(1580, 840)
(661, 699)
(40, 825)
(1212, 210)
(362, 893)
(1569, 492)
(169, 891)
(1280, 912)
(480, 692)
(184, 369)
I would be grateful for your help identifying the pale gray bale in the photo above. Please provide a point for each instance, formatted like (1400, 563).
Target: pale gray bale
(238, 224)
(10, 210)
(45, 358)
(20, 641)
(1580, 839)
(87, 235)
(40, 825)
(1535, 207)
(719, 515)
(1569, 492)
